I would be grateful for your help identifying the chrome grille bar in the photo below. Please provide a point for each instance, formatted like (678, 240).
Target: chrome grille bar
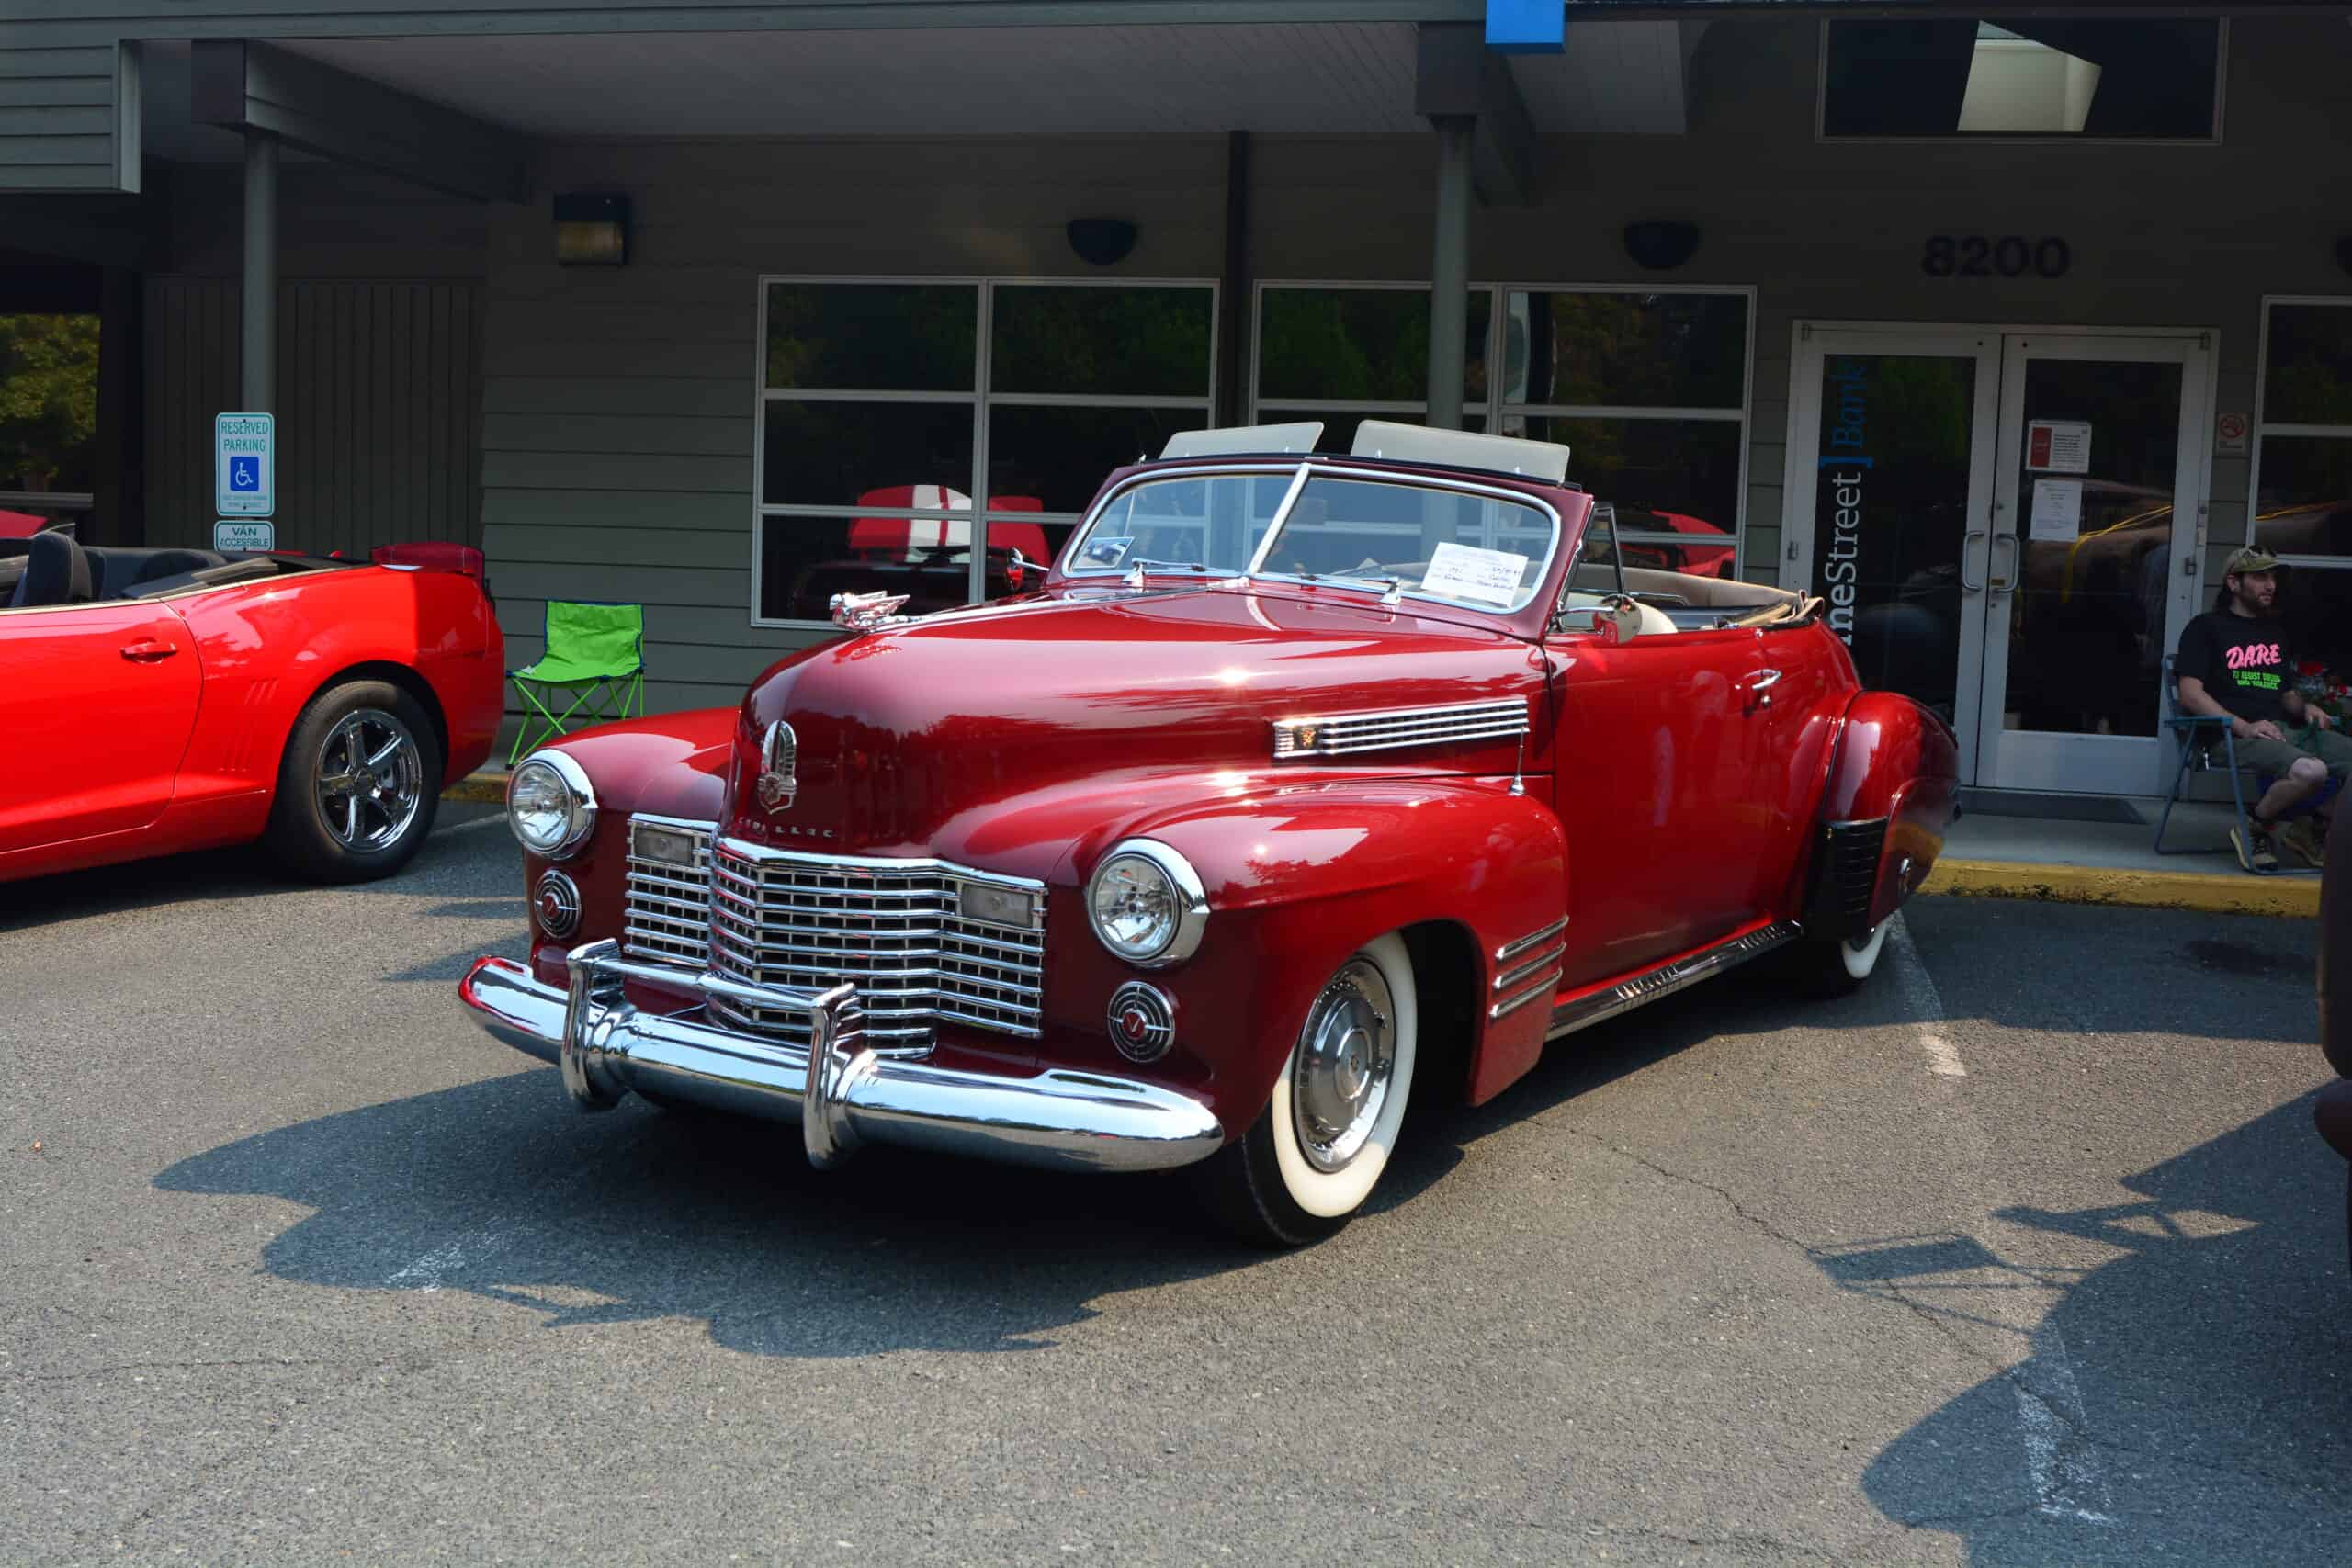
(1339, 735)
(893, 928)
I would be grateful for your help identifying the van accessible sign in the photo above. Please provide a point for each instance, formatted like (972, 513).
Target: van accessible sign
(244, 465)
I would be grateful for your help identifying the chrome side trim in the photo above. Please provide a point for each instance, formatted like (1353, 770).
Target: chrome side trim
(1542, 988)
(1340, 735)
(844, 1095)
(1511, 950)
(1668, 979)
(1508, 980)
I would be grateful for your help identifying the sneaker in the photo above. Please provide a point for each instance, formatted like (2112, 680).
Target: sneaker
(2253, 843)
(2301, 837)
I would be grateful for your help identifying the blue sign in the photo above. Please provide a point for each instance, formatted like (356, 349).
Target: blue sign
(1527, 27)
(244, 473)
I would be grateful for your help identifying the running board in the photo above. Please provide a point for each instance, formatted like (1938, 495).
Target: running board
(1669, 979)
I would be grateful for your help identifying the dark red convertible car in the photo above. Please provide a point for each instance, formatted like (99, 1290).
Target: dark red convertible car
(159, 700)
(1305, 787)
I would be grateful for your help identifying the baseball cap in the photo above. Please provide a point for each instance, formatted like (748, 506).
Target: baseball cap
(2250, 560)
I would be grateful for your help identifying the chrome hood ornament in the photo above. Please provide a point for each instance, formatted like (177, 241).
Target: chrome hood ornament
(779, 755)
(865, 612)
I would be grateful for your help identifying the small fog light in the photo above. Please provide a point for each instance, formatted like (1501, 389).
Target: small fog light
(667, 845)
(1142, 1021)
(999, 906)
(557, 905)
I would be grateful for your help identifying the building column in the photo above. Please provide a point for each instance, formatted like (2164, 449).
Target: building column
(257, 338)
(1449, 272)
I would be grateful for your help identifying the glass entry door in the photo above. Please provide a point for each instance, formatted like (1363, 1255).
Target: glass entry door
(1992, 519)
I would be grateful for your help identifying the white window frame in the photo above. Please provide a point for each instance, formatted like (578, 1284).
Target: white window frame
(1492, 406)
(2023, 138)
(980, 399)
(2263, 427)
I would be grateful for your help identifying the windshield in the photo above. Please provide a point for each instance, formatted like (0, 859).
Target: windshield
(1481, 550)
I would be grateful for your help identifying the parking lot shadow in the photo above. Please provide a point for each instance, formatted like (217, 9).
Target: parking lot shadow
(2186, 1399)
(498, 1188)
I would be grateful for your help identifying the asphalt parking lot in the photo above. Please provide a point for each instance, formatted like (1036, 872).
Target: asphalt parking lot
(2027, 1255)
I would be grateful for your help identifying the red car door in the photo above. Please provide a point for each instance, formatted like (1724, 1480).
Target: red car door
(97, 702)
(1654, 779)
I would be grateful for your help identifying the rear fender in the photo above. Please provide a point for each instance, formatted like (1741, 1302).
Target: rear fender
(1299, 879)
(1885, 807)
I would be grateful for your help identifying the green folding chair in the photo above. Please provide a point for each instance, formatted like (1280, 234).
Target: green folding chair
(594, 663)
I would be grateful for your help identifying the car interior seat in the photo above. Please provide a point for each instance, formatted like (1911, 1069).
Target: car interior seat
(56, 572)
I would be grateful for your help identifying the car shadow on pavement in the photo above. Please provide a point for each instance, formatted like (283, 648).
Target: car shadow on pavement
(2186, 1398)
(498, 1188)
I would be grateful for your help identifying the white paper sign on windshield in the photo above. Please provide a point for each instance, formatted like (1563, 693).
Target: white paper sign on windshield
(1465, 572)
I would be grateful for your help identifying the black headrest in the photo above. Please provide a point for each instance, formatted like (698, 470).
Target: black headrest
(56, 572)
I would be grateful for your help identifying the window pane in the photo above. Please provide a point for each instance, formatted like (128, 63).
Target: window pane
(873, 337)
(1626, 350)
(1358, 345)
(1212, 522)
(1114, 342)
(1340, 429)
(2317, 604)
(804, 561)
(841, 454)
(2040, 76)
(1674, 477)
(1061, 456)
(2305, 508)
(1358, 529)
(49, 402)
(2310, 378)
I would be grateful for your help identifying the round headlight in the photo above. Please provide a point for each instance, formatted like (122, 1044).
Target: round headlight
(549, 804)
(1147, 903)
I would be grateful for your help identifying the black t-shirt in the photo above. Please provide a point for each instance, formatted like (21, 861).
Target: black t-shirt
(2243, 661)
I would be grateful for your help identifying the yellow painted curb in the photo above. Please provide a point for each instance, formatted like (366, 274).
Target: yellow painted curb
(483, 786)
(2232, 893)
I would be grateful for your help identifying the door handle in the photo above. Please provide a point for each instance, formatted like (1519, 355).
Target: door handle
(147, 650)
(2009, 583)
(1967, 540)
(1760, 688)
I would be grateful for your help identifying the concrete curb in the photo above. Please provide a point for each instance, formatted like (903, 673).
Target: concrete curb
(2227, 893)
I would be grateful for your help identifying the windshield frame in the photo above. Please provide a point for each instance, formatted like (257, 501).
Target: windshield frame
(1300, 473)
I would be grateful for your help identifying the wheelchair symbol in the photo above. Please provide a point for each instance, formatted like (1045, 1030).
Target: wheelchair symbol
(244, 473)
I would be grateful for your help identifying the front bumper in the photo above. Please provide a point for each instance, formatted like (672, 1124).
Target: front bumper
(841, 1095)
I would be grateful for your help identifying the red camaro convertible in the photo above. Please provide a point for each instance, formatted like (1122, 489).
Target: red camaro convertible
(159, 700)
(1305, 787)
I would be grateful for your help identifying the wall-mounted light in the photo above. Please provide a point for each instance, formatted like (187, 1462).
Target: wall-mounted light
(1101, 240)
(591, 229)
(1661, 246)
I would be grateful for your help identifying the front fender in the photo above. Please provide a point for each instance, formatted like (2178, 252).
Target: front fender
(1888, 798)
(1299, 878)
(670, 765)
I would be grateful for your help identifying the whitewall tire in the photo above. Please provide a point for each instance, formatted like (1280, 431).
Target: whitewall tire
(1833, 966)
(1320, 1146)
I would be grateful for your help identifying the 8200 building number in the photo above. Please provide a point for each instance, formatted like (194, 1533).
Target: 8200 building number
(2011, 255)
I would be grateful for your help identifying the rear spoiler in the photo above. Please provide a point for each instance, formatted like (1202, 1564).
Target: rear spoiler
(436, 555)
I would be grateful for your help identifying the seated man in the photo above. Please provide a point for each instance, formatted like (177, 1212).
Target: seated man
(2234, 664)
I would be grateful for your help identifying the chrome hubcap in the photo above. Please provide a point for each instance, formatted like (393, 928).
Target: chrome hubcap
(370, 780)
(1347, 1054)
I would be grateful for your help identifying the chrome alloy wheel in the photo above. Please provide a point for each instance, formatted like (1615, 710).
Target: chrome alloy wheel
(1345, 1063)
(370, 780)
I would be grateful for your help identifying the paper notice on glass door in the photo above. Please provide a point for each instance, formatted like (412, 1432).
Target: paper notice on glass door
(2058, 445)
(2057, 511)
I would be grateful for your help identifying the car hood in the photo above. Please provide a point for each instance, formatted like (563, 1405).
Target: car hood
(993, 732)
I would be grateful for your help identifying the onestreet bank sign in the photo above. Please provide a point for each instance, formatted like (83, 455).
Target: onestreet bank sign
(1845, 471)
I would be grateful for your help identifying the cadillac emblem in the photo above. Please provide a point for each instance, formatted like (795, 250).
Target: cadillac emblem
(778, 753)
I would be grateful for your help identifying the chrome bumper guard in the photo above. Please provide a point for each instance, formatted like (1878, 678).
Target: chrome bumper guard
(842, 1096)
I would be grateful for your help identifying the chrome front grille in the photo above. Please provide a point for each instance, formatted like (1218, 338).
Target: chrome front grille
(666, 911)
(895, 929)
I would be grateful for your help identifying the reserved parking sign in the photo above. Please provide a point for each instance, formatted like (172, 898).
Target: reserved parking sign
(244, 465)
